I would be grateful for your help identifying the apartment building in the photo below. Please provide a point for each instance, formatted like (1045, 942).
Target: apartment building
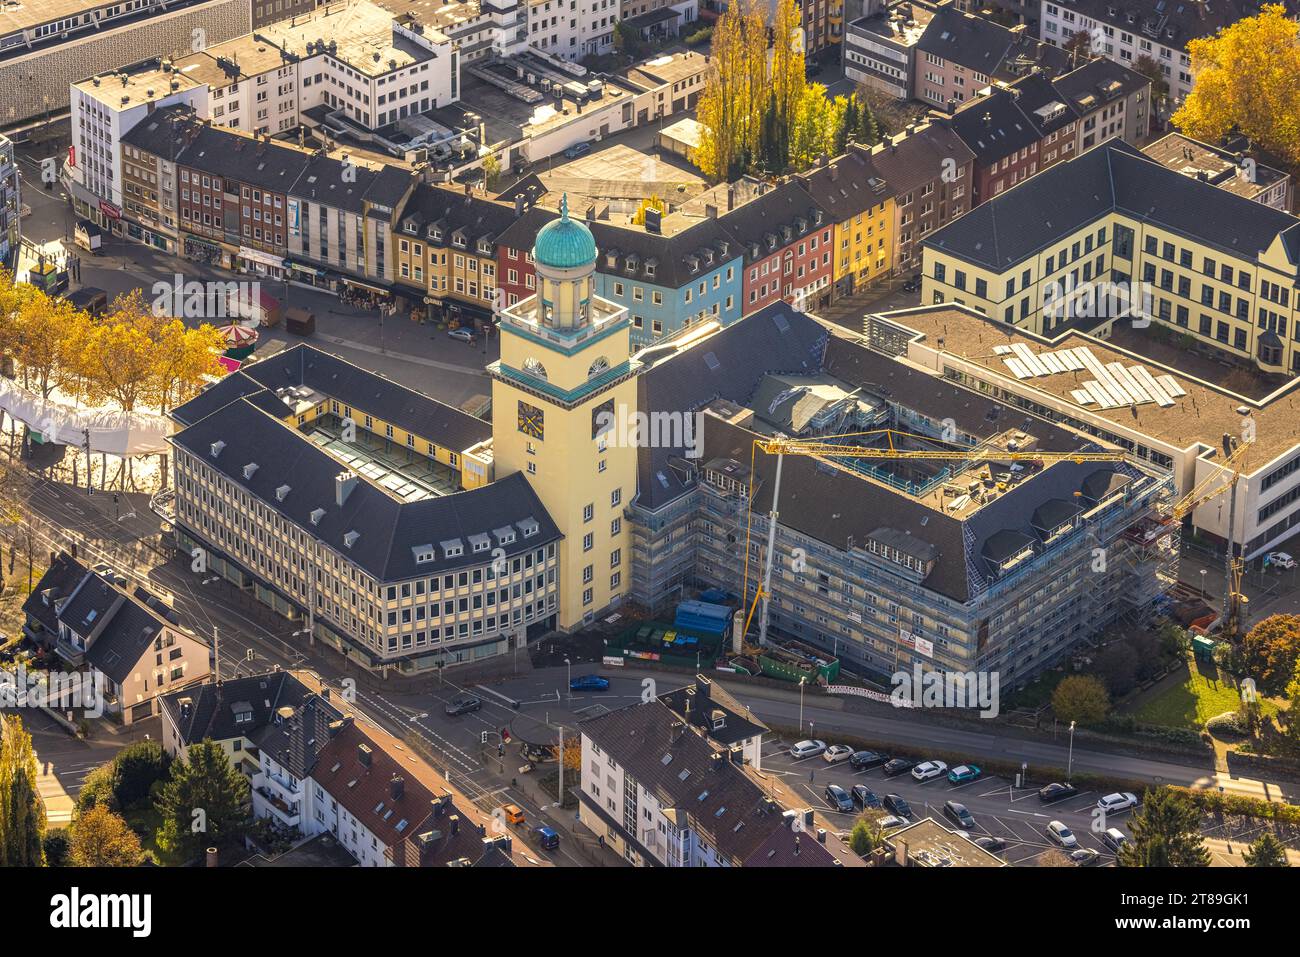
(860, 202)
(897, 566)
(128, 638)
(929, 170)
(660, 793)
(1127, 31)
(788, 243)
(313, 770)
(365, 509)
(938, 53)
(573, 29)
(1219, 268)
(1236, 172)
(1018, 129)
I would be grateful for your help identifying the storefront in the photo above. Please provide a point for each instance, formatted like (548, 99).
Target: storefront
(147, 236)
(308, 275)
(262, 264)
(204, 251)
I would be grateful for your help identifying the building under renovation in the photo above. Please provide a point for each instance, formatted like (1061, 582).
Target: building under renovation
(984, 563)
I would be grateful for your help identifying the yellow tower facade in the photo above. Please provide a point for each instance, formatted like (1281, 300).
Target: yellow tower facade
(564, 383)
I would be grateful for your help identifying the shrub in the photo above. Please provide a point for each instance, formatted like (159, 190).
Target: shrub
(699, 37)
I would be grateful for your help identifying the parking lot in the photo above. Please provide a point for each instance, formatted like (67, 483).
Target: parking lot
(999, 808)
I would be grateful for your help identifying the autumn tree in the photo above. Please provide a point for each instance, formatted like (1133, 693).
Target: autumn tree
(100, 838)
(788, 73)
(1081, 698)
(1271, 651)
(117, 361)
(650, 202)
(1165, 832)
(1247, 78)
(22, 812)
(203, 803)
(47, 337)
(816, 122)
(1147, 66)
(726, 109)
(182, 359)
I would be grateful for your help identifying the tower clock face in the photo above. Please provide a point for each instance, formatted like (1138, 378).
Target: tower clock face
(531, 420)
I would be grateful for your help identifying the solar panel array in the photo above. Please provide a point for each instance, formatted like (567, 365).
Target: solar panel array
(1113, 384)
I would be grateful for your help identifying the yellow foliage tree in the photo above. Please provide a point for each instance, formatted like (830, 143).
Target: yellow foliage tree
(650, 202)
(1248, 79)
(182, 359)
(735, 89)
(117, 364)
(47, 335)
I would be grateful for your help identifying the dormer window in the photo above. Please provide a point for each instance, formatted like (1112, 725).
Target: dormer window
(424, 554)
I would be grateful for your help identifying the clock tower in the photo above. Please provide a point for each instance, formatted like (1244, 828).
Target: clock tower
(564, 383)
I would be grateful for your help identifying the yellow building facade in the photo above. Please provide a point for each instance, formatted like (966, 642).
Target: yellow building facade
(563, 392)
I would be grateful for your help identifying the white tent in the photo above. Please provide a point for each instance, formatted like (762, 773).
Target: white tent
(62, 420)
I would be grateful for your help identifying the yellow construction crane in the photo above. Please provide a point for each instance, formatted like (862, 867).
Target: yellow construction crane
(832, 447)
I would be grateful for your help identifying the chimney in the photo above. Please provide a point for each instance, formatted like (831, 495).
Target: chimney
(210, 859)
(731, 198)
(716, 761)
(821, 835)
(397, 787)
(900, 853)
(796, 845)
(737, 756)
(808, 818)
(364, 755)
(344, 483)
(519, 205)
(454, 823)
(710, 211)
(703, 687)
(835, 172)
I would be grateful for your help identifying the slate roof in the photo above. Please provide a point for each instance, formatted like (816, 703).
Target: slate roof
(57, 584)
(364, 391)
(770, 214)
(1113, 177)
(910, 160)
(417, 831)
(477, 218)
(669, 255)
(1101, 79)
(1185, 18)
(847, 185)
(93, 598)
(774, 339)
(211, 711)
(176, 133)
(704, 697)
(973, 42)
(128, 635)
(993, 126)
(389, 530)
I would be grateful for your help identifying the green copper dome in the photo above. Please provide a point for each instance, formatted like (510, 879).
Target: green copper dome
(564, 243)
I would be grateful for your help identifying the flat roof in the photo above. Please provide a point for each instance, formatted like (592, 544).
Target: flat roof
(930, 844)
(32, 13)
(668, 68)
(1201, 415)
(123, 89)
(1221, 167)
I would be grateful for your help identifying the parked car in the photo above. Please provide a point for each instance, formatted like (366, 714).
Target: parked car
(1119, 801)
(546, 837)
(865, 760)
(864, 797)
(889, 820)
(463, 705)
(1085, 857)
(807, 749)
(837, 753)
(1114, 838)
(1058, 833)
(963, 773)
(1051, 793)
(897, 766)
(913, 284)
(589, 683)
(991, 844)
(1280, 560)
(895, 805)
(839, 798)
(463, 334)
(929, 769)
(576, 150)
(958, 814)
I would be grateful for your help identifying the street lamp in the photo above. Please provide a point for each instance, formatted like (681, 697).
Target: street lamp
(802, 681)
(1069, 764)
(568, 664)
(1203, 582)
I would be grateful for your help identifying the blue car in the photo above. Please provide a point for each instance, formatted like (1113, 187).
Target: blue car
(546, 837)
(589, 683)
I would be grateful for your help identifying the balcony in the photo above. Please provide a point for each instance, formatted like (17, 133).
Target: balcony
(73, 654)
(284, 812)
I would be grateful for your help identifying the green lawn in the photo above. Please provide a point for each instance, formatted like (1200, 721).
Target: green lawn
(1202, 694)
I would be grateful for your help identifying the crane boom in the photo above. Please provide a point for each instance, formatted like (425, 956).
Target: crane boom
(825, 448)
